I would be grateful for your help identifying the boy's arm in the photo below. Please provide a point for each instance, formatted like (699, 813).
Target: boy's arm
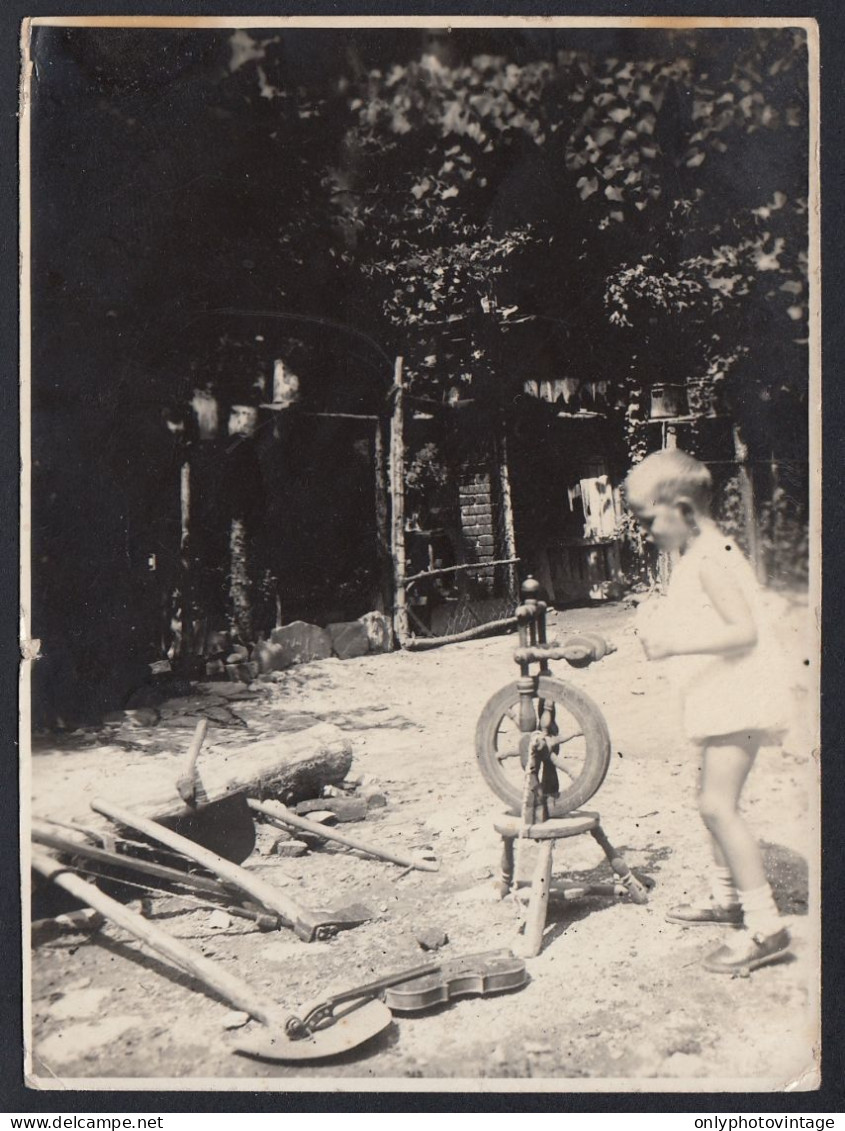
(737, 633)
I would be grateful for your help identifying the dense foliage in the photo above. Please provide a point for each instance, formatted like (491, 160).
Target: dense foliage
(620, 206)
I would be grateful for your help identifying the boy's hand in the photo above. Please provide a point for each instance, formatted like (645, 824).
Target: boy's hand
(656, 645)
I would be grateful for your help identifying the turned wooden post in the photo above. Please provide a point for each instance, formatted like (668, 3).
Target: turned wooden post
(527, 684)
(507, 865)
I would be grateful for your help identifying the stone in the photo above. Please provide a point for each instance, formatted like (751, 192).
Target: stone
(375, 800)
(432, 938)
(349, 639)
(215, 667)
(183, 705)
(286, 845)
(142, 716)
(217, 643)
(379, 631)
(344, 808)
(347, 808)
(242, 673)
(321, 816)
(301, 643)
(219, 920)
(271, 657)
(224, 691)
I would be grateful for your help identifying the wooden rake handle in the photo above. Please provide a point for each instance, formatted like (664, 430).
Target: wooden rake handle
(278, 813)
(235, 991)
(256, 888)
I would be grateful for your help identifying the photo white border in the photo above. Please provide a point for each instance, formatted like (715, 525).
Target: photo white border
(29, 647)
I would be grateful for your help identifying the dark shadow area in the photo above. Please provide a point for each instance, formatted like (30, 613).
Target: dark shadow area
(789, 876)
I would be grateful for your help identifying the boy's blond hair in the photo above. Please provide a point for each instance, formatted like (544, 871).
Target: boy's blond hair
(665, 477)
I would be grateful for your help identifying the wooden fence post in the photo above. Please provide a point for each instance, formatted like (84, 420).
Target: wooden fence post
(383, 527)
(507, 506)
(397, 492)
(186, 644)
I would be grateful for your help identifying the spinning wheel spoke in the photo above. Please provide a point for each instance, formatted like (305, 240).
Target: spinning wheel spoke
(564, 767)
(513, 752)
(555, 740)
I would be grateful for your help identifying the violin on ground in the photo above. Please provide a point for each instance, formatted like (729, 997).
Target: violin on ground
(421, 987)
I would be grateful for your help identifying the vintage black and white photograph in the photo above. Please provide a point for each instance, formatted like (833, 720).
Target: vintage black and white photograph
(420, 554)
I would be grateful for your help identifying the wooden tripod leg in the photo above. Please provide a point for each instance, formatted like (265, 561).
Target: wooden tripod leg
(507, 866)
(539, 904)
(636, 888)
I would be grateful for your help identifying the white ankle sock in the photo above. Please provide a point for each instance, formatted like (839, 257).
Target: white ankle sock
(759, 910)
(722, 888)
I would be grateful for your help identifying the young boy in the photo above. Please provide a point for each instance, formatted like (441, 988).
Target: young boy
(710, 630)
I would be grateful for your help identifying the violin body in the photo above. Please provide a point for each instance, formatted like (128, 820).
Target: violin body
(489, 972)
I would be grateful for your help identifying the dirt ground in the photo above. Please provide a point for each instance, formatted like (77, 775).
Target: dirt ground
(617, 994)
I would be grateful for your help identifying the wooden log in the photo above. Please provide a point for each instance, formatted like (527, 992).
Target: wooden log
(291, 767)
(214, 977)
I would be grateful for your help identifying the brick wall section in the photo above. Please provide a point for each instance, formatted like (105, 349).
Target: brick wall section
(475, 492)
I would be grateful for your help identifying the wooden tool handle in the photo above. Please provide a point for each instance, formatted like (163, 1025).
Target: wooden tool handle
(188, 784)
(238, 993)
(254, 886)
(280, 814)
(196, 746)
(44, 835)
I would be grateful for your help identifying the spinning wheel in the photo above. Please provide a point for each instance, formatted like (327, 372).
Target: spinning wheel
(543, 747)
(575, 733)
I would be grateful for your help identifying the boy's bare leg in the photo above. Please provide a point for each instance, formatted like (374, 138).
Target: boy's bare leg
(724, 768)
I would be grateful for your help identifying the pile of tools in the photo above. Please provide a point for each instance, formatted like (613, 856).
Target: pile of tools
(98, 867)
